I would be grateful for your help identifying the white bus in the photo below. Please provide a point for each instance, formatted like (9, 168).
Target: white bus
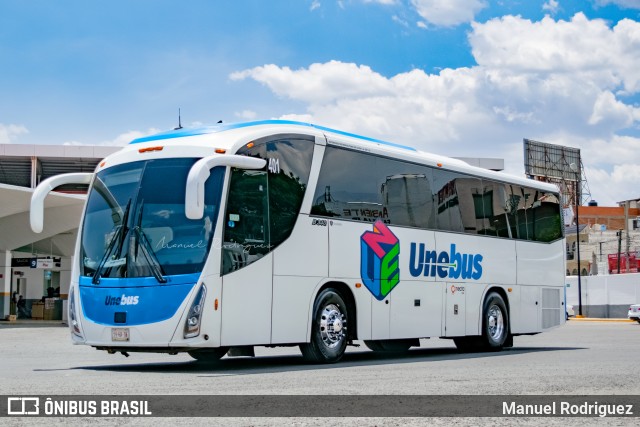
(274, 233)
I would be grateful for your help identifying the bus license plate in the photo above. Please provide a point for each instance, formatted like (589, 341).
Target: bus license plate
(120, 334)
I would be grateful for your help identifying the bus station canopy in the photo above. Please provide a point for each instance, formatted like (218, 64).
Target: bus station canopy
(62, 214)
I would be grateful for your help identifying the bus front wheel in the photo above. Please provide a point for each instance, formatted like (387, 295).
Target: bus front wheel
(328, 329)
(208, 355)
(495, 322)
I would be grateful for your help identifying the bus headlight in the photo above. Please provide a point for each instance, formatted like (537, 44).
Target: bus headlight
(192, 325)
(74, 321)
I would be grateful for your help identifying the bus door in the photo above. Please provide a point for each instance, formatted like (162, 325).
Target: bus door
(247, 264)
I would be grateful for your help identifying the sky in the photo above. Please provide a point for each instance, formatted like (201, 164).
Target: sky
(461, 78)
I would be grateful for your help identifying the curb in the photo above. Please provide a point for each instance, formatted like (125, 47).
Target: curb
(595, 319)
(28, 323)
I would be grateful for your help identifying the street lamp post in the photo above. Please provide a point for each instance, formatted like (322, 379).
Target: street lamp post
(574, 167)
(578, 249)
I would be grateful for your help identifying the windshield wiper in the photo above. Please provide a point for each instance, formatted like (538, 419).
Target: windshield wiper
(107, 255)
(154, 264)
(118, 236)
(147, 250)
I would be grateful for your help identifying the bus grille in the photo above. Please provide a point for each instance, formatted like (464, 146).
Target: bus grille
(551, 310)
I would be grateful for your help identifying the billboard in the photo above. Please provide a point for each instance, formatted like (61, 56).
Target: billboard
(543, 160)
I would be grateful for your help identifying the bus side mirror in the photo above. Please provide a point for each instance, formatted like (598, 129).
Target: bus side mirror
(36, 214)
(199, 173)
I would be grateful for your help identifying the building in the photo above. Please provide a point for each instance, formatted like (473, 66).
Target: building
(38, 266)
(607, 234)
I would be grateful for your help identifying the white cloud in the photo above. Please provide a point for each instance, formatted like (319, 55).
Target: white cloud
(319, 83)
(385, 2)
(553, 81)
(8, 133)
(608, 58)
(315, 4)
(610, 187)
(246, 115)
(552, 6)
(625, 4)
(127, 137)
(608, 109)
(398, 20)
(120, 140)
(448, 13)
(618, 149)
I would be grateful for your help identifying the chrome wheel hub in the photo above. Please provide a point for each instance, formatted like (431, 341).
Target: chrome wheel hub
(332, 326)
(495, 322)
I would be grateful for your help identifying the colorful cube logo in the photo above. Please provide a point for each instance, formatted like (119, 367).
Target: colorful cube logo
(379, 260)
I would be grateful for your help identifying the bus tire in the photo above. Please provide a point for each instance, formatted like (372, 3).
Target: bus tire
(391, 346)
(209, 355)
(495, 322)
(328, 329)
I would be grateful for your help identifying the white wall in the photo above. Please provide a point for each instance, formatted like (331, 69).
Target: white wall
(609, 293)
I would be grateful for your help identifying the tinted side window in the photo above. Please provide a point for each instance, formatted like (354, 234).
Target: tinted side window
(542, 216)
(362, 187)
(460, 202)
(520, 201)
(522, 213)
(496, 221)
(263, 206)
(548, 221)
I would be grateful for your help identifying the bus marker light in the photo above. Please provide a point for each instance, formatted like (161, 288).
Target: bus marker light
(509, 289)
(220, 150)
(146, 150)
(215, 304)
(358, 285)
(102, 164)
(439, 165)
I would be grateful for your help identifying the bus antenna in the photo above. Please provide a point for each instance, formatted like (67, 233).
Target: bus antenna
(179, 121)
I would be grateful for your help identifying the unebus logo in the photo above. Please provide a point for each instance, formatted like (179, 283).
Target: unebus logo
(379, 260)
(123, 300)
(452, 264)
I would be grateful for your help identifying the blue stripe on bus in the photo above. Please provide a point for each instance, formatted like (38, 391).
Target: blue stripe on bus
(142, 301)
(128, 282)
(181, 133)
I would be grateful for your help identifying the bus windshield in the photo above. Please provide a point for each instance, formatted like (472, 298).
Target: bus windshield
(135, 223)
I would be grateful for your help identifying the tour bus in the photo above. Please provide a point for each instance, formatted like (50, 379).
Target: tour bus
(278, 233)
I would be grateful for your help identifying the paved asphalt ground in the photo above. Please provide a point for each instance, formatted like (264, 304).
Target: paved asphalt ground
(579, 358)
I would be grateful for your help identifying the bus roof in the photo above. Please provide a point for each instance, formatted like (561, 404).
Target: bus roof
(183, 132)
(401, 151)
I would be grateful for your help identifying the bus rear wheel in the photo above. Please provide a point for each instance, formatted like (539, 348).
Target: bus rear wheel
(495, 323)
(328, 329)
(208, 355)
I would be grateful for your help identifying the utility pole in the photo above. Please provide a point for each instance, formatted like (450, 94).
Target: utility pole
(619, 234)
(626, 230)
(576, 188)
